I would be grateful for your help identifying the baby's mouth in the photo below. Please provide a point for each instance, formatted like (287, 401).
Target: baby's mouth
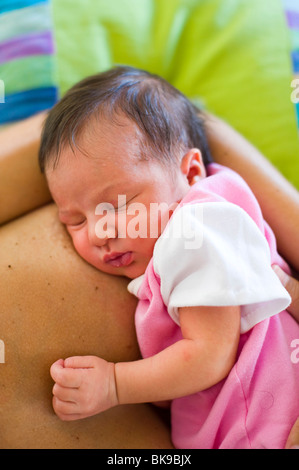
(119, 259)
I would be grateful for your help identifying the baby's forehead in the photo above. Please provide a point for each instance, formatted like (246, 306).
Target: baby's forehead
(112, 136)
(117, 144)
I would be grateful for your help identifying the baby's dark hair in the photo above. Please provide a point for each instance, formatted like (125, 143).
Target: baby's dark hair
(168, 121)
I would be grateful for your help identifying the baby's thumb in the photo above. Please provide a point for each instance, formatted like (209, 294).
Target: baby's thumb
(55, 367)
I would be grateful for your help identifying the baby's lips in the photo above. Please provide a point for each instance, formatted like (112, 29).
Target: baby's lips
(118, 259)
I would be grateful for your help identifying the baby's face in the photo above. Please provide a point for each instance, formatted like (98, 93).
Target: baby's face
(113, 204)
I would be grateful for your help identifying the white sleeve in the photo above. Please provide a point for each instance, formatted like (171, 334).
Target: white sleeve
(213, 254)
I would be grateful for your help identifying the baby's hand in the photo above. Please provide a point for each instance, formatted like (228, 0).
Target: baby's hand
(84, 386)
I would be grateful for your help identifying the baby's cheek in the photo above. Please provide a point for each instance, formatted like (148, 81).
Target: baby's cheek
(88, 253)
(81, 246)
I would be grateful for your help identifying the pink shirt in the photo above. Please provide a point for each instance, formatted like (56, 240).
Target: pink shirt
(223, 256)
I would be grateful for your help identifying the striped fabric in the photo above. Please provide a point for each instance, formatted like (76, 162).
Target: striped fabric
(27, 59)
(292, 15)
(27, 56)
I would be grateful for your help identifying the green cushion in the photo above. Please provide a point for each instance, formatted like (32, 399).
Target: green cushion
(232, 55)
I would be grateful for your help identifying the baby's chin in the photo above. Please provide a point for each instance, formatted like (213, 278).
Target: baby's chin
(132, 272)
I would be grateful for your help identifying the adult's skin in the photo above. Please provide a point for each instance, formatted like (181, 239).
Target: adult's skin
(278, 199)
(53, 304)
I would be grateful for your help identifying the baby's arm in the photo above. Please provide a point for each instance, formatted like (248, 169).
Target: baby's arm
(88, 385)
(201, 359)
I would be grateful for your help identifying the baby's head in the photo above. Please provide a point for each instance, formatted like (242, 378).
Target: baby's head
(118, 142)
(168, 124)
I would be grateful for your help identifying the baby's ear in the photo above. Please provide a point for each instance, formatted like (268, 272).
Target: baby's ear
(192, 166)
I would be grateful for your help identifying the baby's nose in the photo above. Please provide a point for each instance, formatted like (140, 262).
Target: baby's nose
(101, 231)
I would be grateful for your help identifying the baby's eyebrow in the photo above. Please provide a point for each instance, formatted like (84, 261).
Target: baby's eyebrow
(108, 190)
(111, 192)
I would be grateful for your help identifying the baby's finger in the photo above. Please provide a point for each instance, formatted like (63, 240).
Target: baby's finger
(73, 417)
(67, 411)
(65, 377)
(80, 362)
(65, 393)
